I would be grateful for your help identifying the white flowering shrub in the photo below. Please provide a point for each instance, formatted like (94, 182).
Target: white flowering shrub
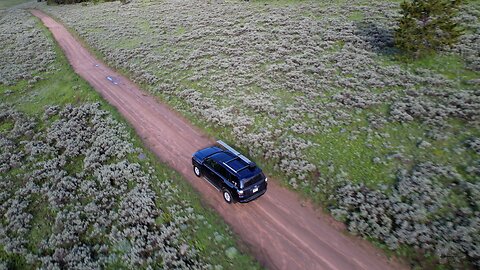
(98, 209)
(468, 45)
(448, 104)
(416, 213)
(25, 50)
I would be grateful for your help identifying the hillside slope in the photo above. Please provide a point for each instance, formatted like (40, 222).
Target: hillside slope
(275, 226)
(312, 91)
(77, 187)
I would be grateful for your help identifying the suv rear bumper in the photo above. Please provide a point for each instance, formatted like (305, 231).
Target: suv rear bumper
(253, 197)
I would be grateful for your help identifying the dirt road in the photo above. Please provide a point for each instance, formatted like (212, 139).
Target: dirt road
(281, 231)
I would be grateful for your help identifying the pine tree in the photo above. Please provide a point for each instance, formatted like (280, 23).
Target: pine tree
(427, 26)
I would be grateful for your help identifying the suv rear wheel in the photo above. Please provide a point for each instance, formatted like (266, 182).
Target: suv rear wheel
(196, 171)
(227, 196)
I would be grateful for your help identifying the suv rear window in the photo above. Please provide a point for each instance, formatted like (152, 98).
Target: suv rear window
(257, 178)
(233, 179)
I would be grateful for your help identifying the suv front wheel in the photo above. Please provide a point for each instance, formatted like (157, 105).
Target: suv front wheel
(227, 195)
(196, 171)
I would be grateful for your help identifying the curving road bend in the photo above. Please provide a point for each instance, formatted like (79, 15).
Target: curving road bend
(280, 230)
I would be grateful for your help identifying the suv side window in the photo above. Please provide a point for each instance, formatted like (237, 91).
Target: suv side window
(219, 169)
(209, 162)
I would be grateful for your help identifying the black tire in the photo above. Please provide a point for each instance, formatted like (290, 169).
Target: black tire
(197, 171)
(227, 196)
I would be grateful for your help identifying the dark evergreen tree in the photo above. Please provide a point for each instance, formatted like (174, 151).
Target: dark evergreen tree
(427, 26)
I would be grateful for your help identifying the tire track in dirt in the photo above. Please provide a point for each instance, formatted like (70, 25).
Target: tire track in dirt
(281, 231)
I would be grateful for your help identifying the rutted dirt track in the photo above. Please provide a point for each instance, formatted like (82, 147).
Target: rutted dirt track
(281, 231)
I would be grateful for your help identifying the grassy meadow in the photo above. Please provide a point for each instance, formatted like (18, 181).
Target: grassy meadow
(37, 217)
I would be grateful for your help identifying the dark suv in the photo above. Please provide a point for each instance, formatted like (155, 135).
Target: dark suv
(239, 179)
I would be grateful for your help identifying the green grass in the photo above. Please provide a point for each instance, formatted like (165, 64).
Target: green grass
(63, 86)
(43, 220)
(451, 66)
(14, 261)
(356, 16)
(6, 126)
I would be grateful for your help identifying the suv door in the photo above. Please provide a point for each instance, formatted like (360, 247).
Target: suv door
(210, 173)
(222, 174)
(233, 180)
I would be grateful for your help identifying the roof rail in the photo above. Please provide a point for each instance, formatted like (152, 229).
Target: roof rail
(235, 152)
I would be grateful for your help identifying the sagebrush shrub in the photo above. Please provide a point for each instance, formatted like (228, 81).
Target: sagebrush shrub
(99, 208)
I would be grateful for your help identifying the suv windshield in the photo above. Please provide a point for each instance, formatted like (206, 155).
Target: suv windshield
(257, 178)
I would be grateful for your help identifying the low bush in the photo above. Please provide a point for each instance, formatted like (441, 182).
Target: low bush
(99, 208)
(25, 50)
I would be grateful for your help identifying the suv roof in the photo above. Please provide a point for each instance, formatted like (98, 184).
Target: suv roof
(235, 163)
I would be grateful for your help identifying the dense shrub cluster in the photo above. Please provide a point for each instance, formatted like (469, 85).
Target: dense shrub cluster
(469, 45)
(70, 197)
(417, 213)
(289, 81)
(435, 108)
(25, 50)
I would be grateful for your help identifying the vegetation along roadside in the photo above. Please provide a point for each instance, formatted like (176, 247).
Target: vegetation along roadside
(312, 90)
(78, 188)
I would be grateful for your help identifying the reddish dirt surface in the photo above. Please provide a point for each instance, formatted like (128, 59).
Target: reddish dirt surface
(281, 230)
